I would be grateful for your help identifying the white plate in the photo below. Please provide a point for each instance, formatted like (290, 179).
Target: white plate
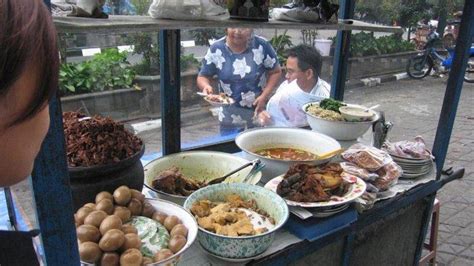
(416, 169)
(356, 190)
(413, 164)
(409, 160)
(322, 214)
(411, 176)
(218, 104)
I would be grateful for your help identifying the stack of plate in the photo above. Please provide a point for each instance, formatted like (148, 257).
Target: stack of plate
(328, 211)
(320, 212)
(413, 167)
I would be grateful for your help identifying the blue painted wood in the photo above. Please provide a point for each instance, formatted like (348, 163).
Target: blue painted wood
(348, 247)
(302, 249)
(52, 194)
(170, 87)
(424, 229)
(341, 52)
(454, 87)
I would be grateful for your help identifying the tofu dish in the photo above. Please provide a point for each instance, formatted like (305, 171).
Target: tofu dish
(234, 217)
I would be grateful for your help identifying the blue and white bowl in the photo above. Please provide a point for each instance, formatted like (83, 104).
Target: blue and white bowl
(243, 246)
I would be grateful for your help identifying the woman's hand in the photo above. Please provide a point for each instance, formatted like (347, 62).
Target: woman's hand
(208, 89)
(204, 84)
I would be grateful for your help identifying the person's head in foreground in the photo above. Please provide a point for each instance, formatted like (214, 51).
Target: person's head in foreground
(29, 62)
(303, 65)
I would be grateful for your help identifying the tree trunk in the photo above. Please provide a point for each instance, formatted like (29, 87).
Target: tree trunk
(441, 17)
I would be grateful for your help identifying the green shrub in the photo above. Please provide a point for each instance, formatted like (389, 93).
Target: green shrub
(365, 44)
(105, 71)
(280, 43)
(202, 36)
(147, 45)
(188, 61)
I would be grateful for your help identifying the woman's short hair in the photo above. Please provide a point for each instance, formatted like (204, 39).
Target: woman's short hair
(308, 57)
(28, 41)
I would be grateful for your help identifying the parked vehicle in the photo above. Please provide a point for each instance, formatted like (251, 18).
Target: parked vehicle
(451, 34)
(421, 65)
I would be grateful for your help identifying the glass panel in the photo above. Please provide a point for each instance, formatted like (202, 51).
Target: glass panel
(115, 76)
(205, 122)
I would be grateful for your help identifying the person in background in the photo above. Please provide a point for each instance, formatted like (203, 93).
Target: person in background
(302, 85)
(29, 63)
(247, 70)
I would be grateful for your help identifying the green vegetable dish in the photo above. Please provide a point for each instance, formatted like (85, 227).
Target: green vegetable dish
(331, 104)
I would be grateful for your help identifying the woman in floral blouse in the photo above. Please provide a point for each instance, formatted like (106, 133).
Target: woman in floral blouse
(247, 70)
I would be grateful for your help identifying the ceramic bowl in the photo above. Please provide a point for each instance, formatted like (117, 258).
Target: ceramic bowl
(199, 165)
(186, 218)
(243, 246)
(256, 139)
(340, 130)
(356, 113)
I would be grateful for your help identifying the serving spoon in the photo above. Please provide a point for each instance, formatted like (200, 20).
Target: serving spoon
(326, 155)
(372, 108)
(224, 177)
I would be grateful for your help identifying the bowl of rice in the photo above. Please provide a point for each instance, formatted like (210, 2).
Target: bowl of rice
(332, 123)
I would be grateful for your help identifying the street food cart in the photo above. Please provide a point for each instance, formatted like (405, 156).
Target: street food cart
(392, 232)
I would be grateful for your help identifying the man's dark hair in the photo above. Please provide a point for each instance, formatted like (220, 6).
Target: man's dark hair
(308, 57)
(27, 43)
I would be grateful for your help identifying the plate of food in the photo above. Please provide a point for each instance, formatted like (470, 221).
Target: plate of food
(217, 100)
(311, 186)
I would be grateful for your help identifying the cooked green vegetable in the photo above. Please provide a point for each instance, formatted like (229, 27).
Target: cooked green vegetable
(331, 104)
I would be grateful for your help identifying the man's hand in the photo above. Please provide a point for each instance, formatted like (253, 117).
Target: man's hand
(208, 89)
(263, 118)
(260, 103)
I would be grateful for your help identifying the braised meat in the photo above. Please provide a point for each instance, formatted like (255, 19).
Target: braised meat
(309, 183)
(171, 181)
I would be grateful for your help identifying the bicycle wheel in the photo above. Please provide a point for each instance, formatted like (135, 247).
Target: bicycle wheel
(469, 75)
(419, 66)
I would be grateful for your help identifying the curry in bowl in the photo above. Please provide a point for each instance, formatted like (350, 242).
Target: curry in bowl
(289, 154)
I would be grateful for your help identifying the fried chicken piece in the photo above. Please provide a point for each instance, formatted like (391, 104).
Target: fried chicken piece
(201, 208)
(207, 223)
(224, 207)
(234, 200)
(244, 227)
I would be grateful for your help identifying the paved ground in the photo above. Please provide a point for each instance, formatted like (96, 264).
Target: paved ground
(414, 108)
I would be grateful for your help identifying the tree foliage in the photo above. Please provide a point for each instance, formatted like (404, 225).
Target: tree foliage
(406, 12)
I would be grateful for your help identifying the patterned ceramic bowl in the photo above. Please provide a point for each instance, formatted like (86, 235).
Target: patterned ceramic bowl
(244, 246)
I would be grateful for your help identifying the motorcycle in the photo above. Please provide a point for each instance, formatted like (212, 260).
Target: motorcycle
(421, 65)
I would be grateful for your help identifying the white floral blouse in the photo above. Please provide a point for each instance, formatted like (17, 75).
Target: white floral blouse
(241, 76)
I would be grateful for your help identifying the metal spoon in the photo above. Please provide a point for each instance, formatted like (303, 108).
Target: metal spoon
(329, 154)
(372, 107)
(222, 178)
